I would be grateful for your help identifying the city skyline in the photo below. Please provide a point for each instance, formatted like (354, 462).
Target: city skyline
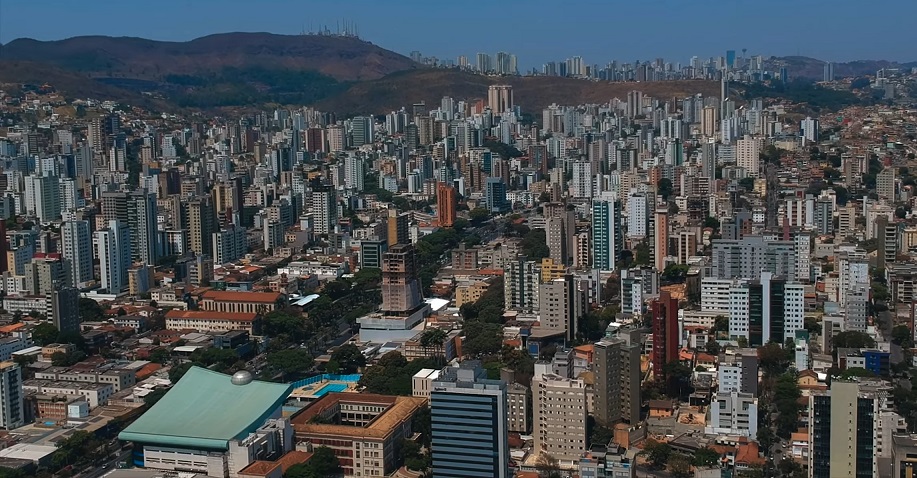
(598, 38)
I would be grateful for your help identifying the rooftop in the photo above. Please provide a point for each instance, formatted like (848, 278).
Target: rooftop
(210, 315)
(399, 409)
(228, 296)
(194, 412)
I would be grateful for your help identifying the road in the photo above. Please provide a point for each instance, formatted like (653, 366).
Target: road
(107, 466)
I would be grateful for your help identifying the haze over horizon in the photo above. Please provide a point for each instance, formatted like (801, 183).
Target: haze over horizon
(669, 29)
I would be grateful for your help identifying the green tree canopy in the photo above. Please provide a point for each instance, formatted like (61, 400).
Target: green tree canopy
(295, 361)
(323, 464)
(45, 333)
(348, 358)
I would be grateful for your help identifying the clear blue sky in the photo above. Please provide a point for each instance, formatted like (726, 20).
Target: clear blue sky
(535, 30)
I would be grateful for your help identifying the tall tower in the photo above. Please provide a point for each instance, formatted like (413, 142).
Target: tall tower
(500, 98)
(199, 218)
(114, 253)
(324, 209)
(397, 226)
(607, 239)
(445, 204)
(665, 332)
(661, 237)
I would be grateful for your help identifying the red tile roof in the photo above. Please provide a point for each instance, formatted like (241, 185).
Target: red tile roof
(229, 296)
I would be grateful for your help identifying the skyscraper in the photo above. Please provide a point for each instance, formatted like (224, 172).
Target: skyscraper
(77, 249)
(401, 292)
(665, 332)
(607, 237)
(11, 409)
(521, 284)
(469, 436)
(142, 214)
(361, 130)
(828, 71)
(114, 253)
(446, 203)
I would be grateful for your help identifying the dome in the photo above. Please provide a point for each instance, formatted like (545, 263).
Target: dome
(242, 377)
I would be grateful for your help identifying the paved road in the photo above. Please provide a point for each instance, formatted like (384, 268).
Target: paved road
(108, 466)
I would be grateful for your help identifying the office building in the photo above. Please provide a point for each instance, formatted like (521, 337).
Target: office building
(398, 224)
(77, 250)
(446, 202)
(401, 293)
(765, 310)
(607, 236)
(114, 253)
(521, 282)
(478, 448)
(561, 304)
(616, 364)
(361, 131)
(559, 418)
(12, 413)
(665, 332)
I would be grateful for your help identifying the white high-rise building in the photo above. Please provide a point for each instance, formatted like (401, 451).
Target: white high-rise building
(559, 417)
(77, 248)
(42, 197)
(69, 195)
(11, 408)
(581, 184)
(765, 310)
(354, 172)
(636, 216)
(607, 240)
(114, 253)
(808, 128)
(229, 244)
(142, 216)
(324, 210)
(748, 151)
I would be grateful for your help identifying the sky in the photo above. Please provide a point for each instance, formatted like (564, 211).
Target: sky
(536, 31)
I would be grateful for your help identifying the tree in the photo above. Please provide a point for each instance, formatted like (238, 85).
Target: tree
(772, 358)
(706, 457)
(90, 310)
(433, 338)
(642, 253)
(657, 453)
(349, 358)
(482, 338)
(664, 188)
(712, 223)
(766, 437)
(322, 464)
(901, 335)
(290, 361)
(712, 347)
(852, 339)
(64, 359)
(547, 466)
(680, 466)
(151, 398)
(178, 371)
(159, 355)
(478, 215)
(45, 333)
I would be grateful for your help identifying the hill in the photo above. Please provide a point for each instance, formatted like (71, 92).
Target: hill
(70, 84)
(803, 67)
(341, 58)
(532, 93)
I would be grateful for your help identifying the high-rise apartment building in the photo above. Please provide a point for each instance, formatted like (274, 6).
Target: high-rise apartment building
(46, 273)
(495, 195)
(521, 282)
(500, 98)
(446, 203)
(660, 237)
(142, 217)
(748, 151)
(273, 235)
(561, 304)
(885, 184)
(324, 209)
(114, 253)
(767, 309)
(469, 436)
(401, 293)
(42, 197)
(616, 364)
(12, 412)
(63, 307)
(398, 224)
(229, 244)
(199, 217)
(746, 258)
(665, 332)
(844, 431)
(738, 371)
(559, 417)
(361, 131)
(607, 236)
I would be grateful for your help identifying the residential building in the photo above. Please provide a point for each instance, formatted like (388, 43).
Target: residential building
(114, 253)
(12, 413)
(765, 310)
(665, 332)
(607, 236)
(401, 292)
(521, 282)
(616, 364)
(76, 248)
(559, 417)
